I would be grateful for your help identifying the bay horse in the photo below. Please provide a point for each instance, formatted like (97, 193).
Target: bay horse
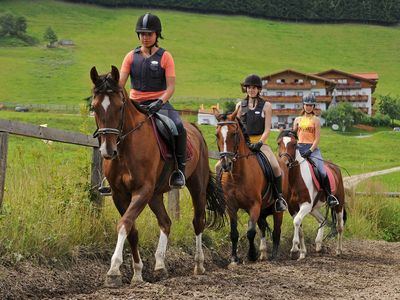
(138, 175)
(245, 187)
(304, 197)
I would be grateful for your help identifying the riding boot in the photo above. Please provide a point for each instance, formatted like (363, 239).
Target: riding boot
(331, 199)
(177, 179)
(280, 202)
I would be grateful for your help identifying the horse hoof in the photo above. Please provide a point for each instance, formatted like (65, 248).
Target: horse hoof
(113, 281)
(199, 270)
(136, 280)
(161, 274)
(339, 253)
(233, 265)
(294, 254)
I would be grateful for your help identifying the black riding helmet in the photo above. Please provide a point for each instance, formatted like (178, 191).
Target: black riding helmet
(149, 23)
(309, 99)
(254, 80)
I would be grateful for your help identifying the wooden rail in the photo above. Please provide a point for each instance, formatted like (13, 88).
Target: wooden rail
(34, 131)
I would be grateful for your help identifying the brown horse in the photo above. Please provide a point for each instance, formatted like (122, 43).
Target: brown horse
(245, 187)
(139, 176)
(304, 197)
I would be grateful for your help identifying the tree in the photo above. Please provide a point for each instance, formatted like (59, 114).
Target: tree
(390, 106)
(50, 36)
(343, 114)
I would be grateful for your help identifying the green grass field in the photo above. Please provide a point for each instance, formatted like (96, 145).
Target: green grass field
(213, 53)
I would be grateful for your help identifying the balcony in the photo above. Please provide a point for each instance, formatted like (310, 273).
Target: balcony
(295, 99)
(347, 86)
(290, 111)
(352, 98)
(288, 86)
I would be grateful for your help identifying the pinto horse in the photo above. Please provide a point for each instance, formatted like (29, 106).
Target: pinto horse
(304, 197)
(138, 175)
(245, 187)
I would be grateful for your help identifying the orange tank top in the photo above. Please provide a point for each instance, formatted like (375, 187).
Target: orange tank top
(306, 130)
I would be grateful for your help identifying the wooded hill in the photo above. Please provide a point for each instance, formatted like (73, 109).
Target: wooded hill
(363, 11)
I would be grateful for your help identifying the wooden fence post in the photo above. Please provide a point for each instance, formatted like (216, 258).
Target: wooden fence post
(173, 204)
(3, 163)
(97, 176)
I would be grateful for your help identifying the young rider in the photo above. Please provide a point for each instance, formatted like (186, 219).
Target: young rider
(308, 128)
(256, 114)
(152, 73)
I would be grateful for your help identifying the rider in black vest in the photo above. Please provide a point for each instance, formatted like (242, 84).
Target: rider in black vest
(152, 73)
(255, 114)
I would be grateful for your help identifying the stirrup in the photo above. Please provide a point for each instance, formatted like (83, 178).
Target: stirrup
(284, 203)
(181, 175)
(332, 201)
(104, 190)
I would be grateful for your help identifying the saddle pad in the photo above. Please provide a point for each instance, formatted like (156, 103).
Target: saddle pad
(329, 172)
(165, 149)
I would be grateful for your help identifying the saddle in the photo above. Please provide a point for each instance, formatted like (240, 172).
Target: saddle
(268, 173)
(317, 178)
(165, 131)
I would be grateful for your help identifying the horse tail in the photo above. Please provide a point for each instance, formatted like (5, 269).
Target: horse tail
(215, 218)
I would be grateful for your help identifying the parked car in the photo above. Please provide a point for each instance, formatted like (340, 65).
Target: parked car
(21, 109)
(396, 129)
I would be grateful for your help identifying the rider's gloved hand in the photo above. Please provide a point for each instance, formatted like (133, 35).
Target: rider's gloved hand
(256, 147)
(307, 153)
(155, 106)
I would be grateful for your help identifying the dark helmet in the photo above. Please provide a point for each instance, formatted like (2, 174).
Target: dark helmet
(309, 99)
(253, 80)
(148, 23)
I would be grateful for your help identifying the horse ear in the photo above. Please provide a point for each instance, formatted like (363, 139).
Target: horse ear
(234, 114)
(94, 75)
(115, 73)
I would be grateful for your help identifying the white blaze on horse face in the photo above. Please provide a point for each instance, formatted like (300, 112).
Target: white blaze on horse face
(224, 132)
(286, 140)
(106, 103)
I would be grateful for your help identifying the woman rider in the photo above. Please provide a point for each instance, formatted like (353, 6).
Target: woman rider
(152, 74)
(308, 128)
(256, 114)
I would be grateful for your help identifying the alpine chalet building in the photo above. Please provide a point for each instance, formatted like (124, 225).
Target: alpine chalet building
(285, 90)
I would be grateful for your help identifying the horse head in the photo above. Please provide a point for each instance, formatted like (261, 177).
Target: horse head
(228, 135)
(108, 103)
(287, 142)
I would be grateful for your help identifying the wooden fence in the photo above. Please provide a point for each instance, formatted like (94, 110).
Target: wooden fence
(34, 131)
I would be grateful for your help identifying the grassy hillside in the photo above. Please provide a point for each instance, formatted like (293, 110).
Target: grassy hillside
(212, 53)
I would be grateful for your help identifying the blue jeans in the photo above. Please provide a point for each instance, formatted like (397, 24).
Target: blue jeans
(315, 157)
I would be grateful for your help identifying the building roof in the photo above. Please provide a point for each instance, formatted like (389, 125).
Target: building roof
(355, 76)
(369, 75)
(311, 76)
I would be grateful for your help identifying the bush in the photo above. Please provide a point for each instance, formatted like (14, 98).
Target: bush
(229, 106)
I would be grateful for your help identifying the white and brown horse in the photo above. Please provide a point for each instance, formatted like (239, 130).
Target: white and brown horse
(304, 196)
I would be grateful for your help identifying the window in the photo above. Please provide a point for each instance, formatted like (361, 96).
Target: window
(299, 94)
(280, 106)
(280, 81)
(316, 93)
(313, 82)
(264, 82)
(342, 81)
(280, 94)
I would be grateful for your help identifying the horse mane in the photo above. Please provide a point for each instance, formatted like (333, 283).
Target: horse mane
(287, 132)
(105, 84)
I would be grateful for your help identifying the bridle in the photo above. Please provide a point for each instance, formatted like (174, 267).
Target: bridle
(234, 155)
(106, 88)
(292, 162)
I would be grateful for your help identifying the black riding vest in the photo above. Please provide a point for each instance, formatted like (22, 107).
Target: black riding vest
(252, 119)
(146, 74)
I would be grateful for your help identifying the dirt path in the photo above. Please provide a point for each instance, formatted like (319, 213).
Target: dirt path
(367, 270)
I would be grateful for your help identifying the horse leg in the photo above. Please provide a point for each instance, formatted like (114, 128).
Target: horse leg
(321, 226)
(305, 208)
(234, 239)
(197, 188)
(339, 228)
(251, 232)
(303, 249)
(276, 234)
(126, 229)
(164, 222)
(262, 225)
